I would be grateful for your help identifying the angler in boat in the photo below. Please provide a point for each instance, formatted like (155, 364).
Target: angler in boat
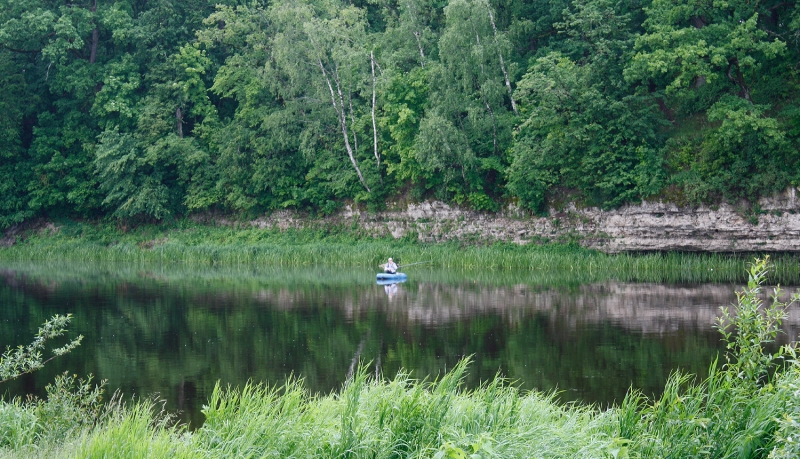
(390, 267)
(390, 273)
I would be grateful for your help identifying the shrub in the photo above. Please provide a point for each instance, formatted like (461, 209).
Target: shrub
(742, 409)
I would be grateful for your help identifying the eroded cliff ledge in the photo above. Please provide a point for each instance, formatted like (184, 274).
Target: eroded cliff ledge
(773, 225)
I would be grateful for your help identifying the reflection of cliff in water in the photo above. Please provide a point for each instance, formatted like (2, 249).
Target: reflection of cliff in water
(638, 307)
(645, 308)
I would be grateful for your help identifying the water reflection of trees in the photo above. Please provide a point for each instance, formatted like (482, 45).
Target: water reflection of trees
(178, 338)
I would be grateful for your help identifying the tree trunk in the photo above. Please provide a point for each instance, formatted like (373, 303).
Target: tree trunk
(374, 124)
(416, 34)
(179, 121)
(340, 112)
(352, 117)
(450, 150)
(700, 81)
(698, 22)
(483, 97)
(95, 36)
(502, 62)
(421, 52)
(744, 91)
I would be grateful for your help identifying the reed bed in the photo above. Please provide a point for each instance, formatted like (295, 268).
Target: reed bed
(548, 264)
(212, 276)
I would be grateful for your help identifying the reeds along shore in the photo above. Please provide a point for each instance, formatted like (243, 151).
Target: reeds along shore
(550, 263)
(748, 407)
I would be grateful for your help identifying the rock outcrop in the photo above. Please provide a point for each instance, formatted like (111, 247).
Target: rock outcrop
(772, 225)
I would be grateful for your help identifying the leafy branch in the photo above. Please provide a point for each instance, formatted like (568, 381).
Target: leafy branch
(752, 325)
(27, 359)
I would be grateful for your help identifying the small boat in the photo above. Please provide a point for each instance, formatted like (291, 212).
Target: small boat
(390, 281)
(388, 277)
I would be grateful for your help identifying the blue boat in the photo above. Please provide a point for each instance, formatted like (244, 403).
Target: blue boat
(387, 277)
(389, 282)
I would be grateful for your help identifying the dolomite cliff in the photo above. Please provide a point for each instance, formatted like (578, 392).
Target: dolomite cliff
(773, 225)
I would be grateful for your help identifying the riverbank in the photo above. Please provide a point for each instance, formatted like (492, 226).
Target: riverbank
(770, 225)
(195, 243)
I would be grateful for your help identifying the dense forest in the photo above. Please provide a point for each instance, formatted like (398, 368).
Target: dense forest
(147, 110)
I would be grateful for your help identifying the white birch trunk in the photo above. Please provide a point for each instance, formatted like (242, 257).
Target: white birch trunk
(421, 51)
(374, 124)
(483, 97)
(340, 112)
(502, 62)
(416, 34)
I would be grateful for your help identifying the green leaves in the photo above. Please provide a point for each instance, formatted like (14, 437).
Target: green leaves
(746, 156)
(136, 180)
(26, 359)
(750, 326)
(575, 136)
(684, 47)
(310, 103)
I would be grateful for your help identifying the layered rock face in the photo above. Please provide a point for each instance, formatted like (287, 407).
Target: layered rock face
(772, 225)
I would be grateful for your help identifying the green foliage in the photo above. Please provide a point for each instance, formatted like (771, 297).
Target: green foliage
(405, 100)
(26, 359)
(755, 326)
(131, 180)
(685, 46)
(148, 111)
(748, 155)
(743, 409)
(17, 425)
(71, 404)
(575, 136)
(787, 388)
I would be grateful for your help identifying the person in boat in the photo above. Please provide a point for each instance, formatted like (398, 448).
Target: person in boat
(391, 267)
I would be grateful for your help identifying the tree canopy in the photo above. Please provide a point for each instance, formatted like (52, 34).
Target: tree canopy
(150, 110)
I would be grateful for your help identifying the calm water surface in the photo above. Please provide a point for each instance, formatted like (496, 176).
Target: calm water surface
(176, 331)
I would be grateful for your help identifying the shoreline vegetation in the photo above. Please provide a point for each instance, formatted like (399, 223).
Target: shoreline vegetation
(194, 244)
(746, 408)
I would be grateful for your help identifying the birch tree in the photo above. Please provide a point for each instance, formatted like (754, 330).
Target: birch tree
(325, 52)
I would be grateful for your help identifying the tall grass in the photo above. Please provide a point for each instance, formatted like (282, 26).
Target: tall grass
(137, 431)
(400, 418)
(212, 276)
(208, 246)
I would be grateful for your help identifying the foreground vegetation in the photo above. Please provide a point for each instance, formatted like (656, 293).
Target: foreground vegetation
(550, 264)
(746, 408)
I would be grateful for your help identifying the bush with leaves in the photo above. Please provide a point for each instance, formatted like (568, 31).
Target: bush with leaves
(744, 408)
(71, 402)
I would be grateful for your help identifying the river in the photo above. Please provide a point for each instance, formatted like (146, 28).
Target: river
(175, 331)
